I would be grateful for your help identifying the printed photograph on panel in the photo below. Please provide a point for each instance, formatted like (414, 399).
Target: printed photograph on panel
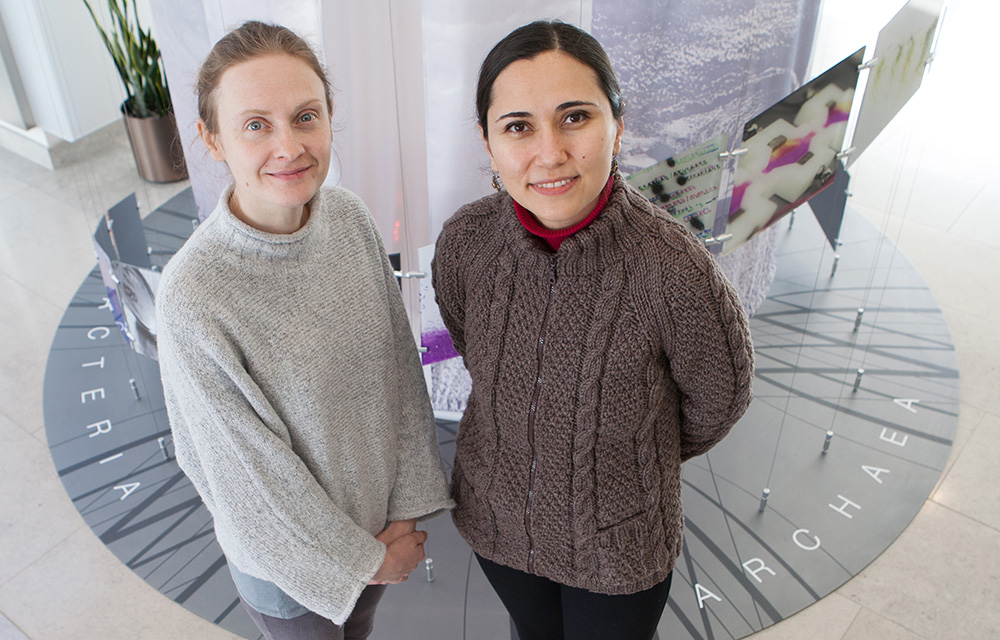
(136, 288)
(433, 334)
(792, 151)
(450, 383)
(901, 55)
(104, 249)
(131, 289)
(686, 186)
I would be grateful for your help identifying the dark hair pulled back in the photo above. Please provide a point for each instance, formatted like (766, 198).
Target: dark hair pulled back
(538, 37)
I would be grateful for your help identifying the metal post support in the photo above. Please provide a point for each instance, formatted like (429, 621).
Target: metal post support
(429, 567)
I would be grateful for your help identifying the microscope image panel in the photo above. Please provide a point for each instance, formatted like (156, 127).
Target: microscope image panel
(791, 152)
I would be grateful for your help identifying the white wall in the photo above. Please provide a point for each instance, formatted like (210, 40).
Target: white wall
(69, 78)
(374, 54)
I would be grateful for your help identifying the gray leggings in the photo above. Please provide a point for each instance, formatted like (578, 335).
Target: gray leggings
(311, 625)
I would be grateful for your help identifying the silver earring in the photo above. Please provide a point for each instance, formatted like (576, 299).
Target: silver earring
(496, 182)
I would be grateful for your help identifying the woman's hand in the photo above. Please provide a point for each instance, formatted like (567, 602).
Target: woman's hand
(402, 556)
(395, 529)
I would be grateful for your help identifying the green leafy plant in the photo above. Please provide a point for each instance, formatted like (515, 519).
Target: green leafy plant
(137, 59)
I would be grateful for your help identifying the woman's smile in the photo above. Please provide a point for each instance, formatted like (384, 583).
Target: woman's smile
(290, 174)
(554, 187)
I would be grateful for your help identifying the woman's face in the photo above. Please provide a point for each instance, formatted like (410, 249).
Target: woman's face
(274, 133)
(552, 135)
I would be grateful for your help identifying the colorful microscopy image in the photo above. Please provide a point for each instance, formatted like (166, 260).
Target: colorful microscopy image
(433, 334)
(686, 186)
(136, 288)
(131, 289)
(791, 151)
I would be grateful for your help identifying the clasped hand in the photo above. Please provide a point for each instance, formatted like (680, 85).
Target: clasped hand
(404, 551)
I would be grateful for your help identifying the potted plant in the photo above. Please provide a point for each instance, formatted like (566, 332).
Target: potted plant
(149, 116)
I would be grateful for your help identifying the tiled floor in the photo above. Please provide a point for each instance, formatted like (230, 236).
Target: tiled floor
(929, 186)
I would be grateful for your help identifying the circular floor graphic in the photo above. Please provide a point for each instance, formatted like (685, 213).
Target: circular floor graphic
(844, 459)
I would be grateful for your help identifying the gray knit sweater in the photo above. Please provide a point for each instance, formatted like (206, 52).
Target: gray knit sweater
(596, 370)
(296, 399)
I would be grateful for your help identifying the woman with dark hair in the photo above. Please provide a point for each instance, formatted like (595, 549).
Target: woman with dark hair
(605, 348)
(295, 396)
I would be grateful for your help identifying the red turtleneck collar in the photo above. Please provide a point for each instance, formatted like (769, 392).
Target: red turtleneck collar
(554, 237)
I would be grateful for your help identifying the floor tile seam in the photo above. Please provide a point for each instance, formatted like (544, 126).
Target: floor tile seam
(891, 217)
(969, 402)
(17, 424)
(882, 616)
(906, 223)
(55, 305)
(961, 311)
(12, 619)
(945, 474)
(69, 177)
(976, 423)
(63, 500)
(905, 178)
(976, 197)
(876, 216)
(966, 516)
(24, 634)
(977, 241)
(953, 461)
(40, 435)
(44, 554)
(71, 197)
(854, 618)
(20, 186)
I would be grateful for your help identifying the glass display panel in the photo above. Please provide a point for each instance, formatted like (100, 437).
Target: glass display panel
(433, 334)
(828, 205)
(686, 185)
(791, 151)
(901, 55)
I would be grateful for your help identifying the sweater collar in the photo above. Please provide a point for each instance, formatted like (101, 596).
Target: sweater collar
(554, 237)
(251, 239)
(583, 251)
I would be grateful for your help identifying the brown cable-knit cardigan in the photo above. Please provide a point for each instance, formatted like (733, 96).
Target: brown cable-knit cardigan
(596, 371)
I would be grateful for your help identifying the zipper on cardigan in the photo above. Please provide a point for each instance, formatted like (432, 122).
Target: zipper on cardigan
(540, 351)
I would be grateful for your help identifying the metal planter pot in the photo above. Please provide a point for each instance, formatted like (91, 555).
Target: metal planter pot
(156, 147)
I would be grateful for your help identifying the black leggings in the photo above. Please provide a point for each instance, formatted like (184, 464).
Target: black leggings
(545, 610)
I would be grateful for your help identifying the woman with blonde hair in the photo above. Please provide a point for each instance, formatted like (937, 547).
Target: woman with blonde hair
(293, 387)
